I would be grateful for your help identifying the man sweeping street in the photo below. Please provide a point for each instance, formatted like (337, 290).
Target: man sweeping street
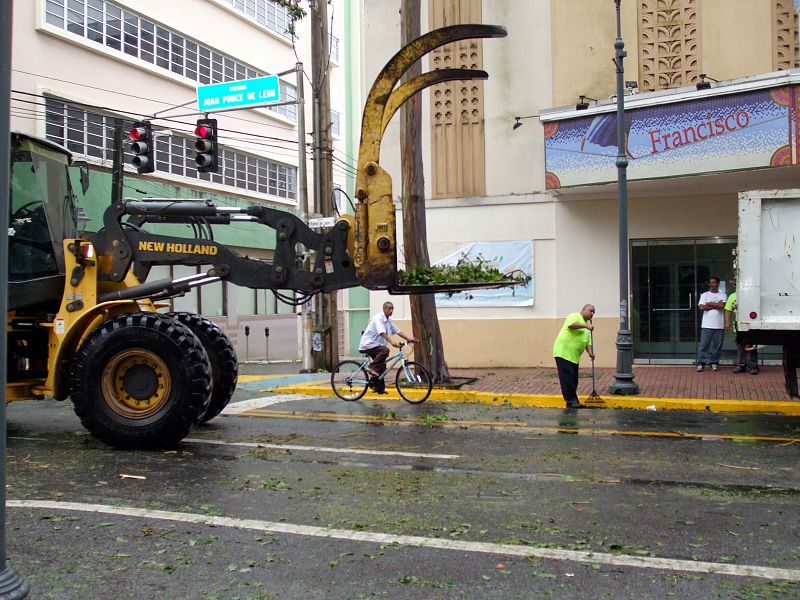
(570, 344)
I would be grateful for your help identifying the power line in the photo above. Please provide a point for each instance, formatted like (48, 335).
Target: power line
(49, 112)
(350, 169)
(166, 119)
(31, 114)
(83, 85)
(138, 115)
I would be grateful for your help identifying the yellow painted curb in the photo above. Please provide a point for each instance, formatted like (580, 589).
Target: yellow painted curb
(249, 378)
(556, 401)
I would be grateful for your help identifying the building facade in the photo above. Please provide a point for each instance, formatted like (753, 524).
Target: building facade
(80, 68)
(527, 159)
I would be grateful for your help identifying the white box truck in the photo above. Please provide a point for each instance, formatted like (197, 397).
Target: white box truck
(768, 274)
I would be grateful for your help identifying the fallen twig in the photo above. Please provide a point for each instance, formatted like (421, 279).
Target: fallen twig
(742, 468)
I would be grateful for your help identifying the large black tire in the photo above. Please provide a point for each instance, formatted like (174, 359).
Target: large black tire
(221, 354)
(140, 381)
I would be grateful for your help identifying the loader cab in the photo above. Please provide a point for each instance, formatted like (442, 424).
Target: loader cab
(42, 213)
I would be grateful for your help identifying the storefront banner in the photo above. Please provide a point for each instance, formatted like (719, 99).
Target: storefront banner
(506, 256)
(723, 133)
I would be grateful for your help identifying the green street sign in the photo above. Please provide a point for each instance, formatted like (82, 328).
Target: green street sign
(238, 94)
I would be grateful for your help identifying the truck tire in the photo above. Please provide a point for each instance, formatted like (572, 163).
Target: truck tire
(140, 381)
(221, 354)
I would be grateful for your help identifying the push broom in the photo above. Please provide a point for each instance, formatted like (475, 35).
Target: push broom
(594, 400)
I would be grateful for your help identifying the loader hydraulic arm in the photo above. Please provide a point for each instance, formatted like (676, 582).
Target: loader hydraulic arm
(359, 250)
(375, 248)
(128, 246)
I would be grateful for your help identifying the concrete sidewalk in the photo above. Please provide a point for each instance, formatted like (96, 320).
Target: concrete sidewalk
(661, 387)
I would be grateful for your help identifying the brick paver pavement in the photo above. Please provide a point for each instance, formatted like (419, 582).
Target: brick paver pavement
(654, 382)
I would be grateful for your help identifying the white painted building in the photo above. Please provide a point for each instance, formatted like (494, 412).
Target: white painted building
(79, 64)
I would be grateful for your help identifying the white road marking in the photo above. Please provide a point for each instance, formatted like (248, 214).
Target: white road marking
(321, 449)
(622, 560)
(235, 408)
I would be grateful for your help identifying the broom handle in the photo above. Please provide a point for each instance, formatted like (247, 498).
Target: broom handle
(591, 341)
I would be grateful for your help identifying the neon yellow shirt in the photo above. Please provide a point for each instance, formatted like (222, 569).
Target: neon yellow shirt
(570, 343)
(730, 306)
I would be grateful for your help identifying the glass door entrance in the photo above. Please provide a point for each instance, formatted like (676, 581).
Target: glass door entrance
(668, 277)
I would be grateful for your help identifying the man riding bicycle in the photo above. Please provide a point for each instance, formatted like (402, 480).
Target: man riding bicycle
(375, 341)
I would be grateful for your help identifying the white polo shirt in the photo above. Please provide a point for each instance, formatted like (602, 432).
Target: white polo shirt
(371, 337)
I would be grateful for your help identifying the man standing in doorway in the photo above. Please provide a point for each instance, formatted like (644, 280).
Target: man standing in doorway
(572, 340)
(712, 327)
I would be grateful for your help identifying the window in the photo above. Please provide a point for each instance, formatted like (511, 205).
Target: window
(335, 123)
(288, 92)
(245, 301)
(212, 296)
(105, 23)
(208, 300)
(262, 302)
(92, 134)
(269, 13)
(82, 132)
(188, 302)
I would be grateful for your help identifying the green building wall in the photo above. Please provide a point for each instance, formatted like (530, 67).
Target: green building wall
(358, 298)
(239, 234)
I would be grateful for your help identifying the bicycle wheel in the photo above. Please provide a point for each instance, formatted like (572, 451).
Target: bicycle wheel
(413, 382)
(349, 381)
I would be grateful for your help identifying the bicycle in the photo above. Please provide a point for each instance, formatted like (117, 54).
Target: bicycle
(350, 379)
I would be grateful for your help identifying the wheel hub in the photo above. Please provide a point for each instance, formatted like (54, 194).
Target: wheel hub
(136, 383)
(140, 382)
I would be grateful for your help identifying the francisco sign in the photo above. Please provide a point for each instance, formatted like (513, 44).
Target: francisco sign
(736, 131)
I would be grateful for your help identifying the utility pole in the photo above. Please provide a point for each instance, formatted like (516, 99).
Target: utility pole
(327, 320)
(306, 316)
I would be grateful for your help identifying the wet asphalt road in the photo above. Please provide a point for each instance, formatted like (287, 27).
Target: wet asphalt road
(624, 485)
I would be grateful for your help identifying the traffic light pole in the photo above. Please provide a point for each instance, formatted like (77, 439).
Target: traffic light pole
(118, 164)
(12, 585)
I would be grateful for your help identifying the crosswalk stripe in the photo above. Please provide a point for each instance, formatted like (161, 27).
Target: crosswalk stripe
(235, 408)
(621, 560)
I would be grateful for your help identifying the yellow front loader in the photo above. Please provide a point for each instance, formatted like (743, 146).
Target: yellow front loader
(83, 321)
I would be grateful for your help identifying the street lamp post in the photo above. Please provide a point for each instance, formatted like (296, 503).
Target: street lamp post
(623, 379)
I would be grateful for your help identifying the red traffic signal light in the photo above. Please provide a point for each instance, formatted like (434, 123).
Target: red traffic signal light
(141, 136)
(206, 146)
(137, 133)
(202, 131)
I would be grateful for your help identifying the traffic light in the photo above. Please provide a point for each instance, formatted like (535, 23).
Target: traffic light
(206, 145)
(141, 136)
